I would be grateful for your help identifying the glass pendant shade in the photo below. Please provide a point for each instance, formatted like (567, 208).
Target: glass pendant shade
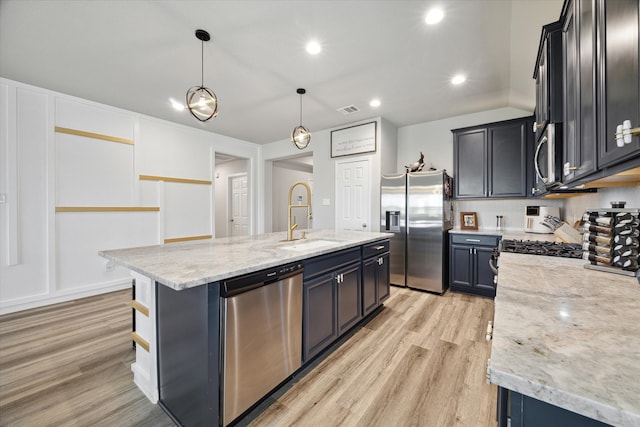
(202, 102)
(301, 137)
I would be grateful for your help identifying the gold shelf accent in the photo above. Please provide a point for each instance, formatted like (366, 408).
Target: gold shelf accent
(107, 209)
(94, 135)
(140, 341)
(186, 239)
(140, 307)
(170, 179)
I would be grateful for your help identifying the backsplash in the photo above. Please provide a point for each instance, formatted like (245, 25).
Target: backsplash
(575, 207)
(512, 211)
(571, 209)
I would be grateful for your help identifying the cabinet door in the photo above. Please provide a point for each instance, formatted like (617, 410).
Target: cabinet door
(348, 285)
(580, 138)
(319, 315)
(470, 163)
(483, 273)
(618, 69)
(542, 91)
(369, 285)
(508, 160)
(460, 265)
(383, 277)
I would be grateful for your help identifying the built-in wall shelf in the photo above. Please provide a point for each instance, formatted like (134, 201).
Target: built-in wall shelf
(172, 179)
(60, 209)
(186, 239)
(77, 132)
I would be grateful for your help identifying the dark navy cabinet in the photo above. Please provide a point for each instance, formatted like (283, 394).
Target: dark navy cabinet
(332, 299)
(491, 160)
(375, 275)
(519, 410)
(188, 353)
(601, 70)
(618, 76)
(469, 259)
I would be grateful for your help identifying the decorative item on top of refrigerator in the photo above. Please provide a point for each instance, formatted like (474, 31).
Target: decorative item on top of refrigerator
(610, 240)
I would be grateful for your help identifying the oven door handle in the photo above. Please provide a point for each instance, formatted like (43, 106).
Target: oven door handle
(492, 266)
(535, 159)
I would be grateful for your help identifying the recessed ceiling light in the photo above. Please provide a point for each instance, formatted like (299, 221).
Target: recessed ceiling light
(374, 103)
(434, 16)
(176, 105)
(313, 47)
(458, 79)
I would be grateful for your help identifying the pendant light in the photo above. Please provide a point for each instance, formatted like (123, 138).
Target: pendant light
(301, 137)
(202, 102)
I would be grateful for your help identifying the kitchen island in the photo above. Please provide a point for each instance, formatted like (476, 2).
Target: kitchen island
(566, 337)
(180, 302)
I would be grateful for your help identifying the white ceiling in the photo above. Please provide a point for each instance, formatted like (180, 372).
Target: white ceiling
(137, 54)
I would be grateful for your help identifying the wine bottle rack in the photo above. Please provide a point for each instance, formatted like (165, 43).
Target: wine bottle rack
(610, 240)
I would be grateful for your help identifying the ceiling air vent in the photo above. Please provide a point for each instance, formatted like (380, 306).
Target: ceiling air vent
(349, 109)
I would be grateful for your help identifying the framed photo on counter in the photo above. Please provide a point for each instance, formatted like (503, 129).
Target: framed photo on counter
(468, 221)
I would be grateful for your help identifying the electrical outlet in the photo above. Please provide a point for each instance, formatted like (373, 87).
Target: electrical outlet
(110, 266)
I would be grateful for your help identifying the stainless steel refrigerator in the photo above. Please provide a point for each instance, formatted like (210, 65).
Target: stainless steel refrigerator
(418, 210)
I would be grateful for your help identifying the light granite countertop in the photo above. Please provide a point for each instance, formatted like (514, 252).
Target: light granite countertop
(187, 264)
(568, 336)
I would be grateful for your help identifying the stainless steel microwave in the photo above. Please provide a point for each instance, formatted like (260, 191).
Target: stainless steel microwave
(548, 158)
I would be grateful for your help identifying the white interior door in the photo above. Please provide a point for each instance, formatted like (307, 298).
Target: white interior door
(353, 193)
(238, 201)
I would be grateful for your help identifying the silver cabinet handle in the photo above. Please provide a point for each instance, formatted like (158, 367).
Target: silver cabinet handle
(473, 240)
(377, 248)
(470, 251)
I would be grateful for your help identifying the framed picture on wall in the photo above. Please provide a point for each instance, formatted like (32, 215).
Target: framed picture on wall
(354, 140)
(468, 221)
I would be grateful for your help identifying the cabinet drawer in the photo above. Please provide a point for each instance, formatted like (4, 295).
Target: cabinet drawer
(375, 248)
(324, 263)
(475, 239)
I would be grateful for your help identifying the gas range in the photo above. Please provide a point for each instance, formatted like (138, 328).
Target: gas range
(536, 247)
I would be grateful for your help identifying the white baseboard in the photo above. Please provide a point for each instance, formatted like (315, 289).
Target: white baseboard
(35, 301)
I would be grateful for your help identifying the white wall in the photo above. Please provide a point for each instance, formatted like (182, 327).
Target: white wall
(48, 256)
(324, 170)
(435, 139)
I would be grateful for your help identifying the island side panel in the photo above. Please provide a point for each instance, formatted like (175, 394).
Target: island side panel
(145, 367)
(188, 353)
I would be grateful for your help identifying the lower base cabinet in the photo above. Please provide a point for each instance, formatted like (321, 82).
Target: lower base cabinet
(375, 282)
(340, 289)
(469, 258)
(518, 410)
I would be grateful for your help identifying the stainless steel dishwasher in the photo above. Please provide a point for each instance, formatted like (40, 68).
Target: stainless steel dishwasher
(261, 335)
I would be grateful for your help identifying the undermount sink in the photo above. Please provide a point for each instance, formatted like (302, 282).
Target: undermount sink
(308, 244)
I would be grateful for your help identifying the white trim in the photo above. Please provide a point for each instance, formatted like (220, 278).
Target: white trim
(12, 306)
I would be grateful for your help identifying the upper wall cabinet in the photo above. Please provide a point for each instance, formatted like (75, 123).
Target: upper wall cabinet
(491, 160)
(618, 77)
(548, 77)
(601, 64)
(578, 44)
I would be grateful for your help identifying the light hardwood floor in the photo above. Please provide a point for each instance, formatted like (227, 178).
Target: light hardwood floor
(420, 362)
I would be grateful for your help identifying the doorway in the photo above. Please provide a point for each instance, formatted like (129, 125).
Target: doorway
(285, 173)
(226, 168)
